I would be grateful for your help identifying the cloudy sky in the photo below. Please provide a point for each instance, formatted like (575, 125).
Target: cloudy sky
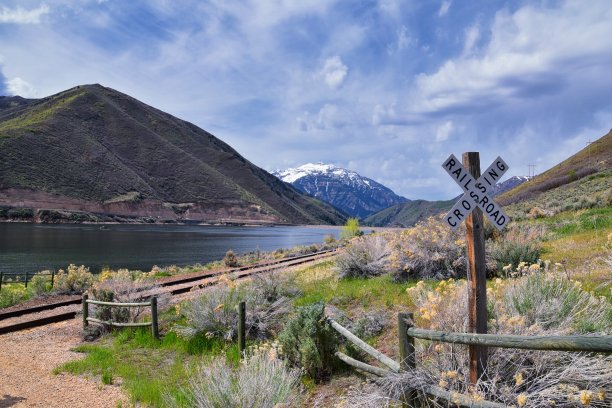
(387, 88)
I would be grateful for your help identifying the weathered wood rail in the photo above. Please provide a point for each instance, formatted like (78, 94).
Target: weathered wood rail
(152, 303)
(595, 344)
(408, 333)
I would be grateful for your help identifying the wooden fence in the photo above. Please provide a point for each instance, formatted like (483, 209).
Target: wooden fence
(25, 278)
(407, 334)
(152, 303)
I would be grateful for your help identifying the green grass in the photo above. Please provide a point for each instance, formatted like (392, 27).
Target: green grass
(380, 291)
(39, 114)
(148, 368)
(575, 222)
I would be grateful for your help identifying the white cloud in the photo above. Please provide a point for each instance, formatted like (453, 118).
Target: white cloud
(22, 16)
(330, 116)
(17, 86)
(526, 47)
(334, 72)
(444, 131)
(472, 35)
(444, 7)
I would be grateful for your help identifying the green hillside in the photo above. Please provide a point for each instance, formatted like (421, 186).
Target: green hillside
(588, 161)
(97, 147)
(407, 214)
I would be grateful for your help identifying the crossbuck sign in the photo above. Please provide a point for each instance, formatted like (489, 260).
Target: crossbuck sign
(477, 192)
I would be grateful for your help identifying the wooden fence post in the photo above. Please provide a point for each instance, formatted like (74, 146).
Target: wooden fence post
(154, 326)
(1, 279)
(407, 354)
(52, 277)
(477, 275)
(26, 279)
(242, 327)
(85, 311)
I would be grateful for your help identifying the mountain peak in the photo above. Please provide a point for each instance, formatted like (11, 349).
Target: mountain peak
(345, 189)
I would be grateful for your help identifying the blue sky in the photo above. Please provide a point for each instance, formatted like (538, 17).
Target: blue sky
(387, 88)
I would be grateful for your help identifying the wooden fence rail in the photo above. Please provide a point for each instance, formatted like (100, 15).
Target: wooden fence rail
(152, 303)
(408, 333)
(27, 277)
(600, 344)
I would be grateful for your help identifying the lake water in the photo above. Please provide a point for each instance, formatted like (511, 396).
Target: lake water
(35, 247)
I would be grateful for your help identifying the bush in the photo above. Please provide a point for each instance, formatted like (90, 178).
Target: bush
(230, 260)
(364, 257)
(75, 280)
(554, 303)
(519, 244)
(428, 250)
(215, 313)
(309, 342)
(12, 294)
(40, 283)
(261, 381)
(541, 304)
(329, 239)
(122, 286)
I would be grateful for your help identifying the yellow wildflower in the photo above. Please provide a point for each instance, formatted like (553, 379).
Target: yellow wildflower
(219, 307)
(209, 335)
(601, 395)
(585, 397)
(521, 400)
(518, 379)
(452, 374)
(534, 268)
(438, 348)
(443, 384)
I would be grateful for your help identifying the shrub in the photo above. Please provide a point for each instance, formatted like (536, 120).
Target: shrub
(215, 313)
(364, 257)
(74, 280)
(428, 250)
(230, 260)
(261, 381)
(309, 342)
(12, 294)
(519, 244)
(122, 286)
(541, 303)
(554, 303)
(40, 283)
(329, 239)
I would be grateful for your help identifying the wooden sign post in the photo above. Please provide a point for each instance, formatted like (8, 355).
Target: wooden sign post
(470, 208)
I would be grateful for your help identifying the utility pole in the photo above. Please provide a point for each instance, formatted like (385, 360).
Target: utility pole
(589, 143)
(532, 170)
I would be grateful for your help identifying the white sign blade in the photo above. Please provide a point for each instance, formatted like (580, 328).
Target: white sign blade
(455, 169)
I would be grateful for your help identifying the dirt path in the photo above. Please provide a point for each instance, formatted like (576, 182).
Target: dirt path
(27, 359)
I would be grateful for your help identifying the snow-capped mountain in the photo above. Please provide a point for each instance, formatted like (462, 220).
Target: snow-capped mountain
(348, 191)
(509, 184)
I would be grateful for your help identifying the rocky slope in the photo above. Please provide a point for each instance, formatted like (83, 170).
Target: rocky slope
(94, 149)
(346, 190)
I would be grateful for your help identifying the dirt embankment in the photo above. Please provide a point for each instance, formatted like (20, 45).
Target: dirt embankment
(37, 206)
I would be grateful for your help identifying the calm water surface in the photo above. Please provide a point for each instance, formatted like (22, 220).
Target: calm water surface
(34, 247)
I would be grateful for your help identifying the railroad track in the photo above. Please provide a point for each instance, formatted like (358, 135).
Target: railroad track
(179, 285)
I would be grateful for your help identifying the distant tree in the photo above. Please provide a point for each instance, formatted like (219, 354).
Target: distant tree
(351, 229)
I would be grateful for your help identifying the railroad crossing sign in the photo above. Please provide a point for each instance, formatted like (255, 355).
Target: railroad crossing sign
(477, 192)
